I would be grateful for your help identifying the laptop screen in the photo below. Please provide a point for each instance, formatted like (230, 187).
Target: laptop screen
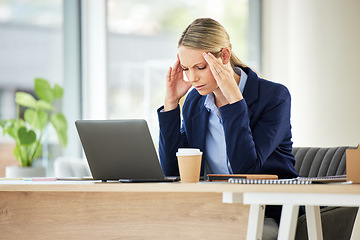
(119, 149)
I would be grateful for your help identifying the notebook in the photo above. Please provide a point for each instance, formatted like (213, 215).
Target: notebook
(120, 150)
(268, 181)
(298, 180)
(325, 179)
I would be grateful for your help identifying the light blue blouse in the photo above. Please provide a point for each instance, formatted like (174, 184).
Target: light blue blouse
(217, 160)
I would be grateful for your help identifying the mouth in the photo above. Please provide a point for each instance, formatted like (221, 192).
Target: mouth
(199, 87)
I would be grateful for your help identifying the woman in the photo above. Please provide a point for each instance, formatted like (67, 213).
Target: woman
(239, 121)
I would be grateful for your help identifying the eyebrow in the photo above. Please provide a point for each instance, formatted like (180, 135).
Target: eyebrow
(193, 65)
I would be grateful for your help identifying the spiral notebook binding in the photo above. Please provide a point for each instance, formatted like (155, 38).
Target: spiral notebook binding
(268, 181)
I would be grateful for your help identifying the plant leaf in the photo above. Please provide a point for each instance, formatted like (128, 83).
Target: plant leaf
(12, 126)
(43, 90)
(43, 105)
(26, 137)
(7, 125)
(43, 119)
(29, 116)
(19, 123)
(57, 91)
(25, 99)
(37, 119)
(60, 124)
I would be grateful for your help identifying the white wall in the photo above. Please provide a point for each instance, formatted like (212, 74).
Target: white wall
(313, 47)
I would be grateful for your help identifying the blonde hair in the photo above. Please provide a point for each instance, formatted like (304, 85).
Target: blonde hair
(209, 35)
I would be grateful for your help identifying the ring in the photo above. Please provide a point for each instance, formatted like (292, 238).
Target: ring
(218, 72)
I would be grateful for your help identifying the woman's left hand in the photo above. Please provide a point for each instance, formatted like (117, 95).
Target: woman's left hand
(224, 76)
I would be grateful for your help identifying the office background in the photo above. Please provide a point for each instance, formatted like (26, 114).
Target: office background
(111, 58)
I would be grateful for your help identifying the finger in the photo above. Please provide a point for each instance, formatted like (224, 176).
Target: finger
(213, 59)
(176, 73)
(215, 68)
(209, 61)
(212, 68)
(176, 64)
(177, 68)
(214, 63)
(228, 66)
(168, 74)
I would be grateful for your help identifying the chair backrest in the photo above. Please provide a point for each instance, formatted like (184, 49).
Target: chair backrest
(319, 162)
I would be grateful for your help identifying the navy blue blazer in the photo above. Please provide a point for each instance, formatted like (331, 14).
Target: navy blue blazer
(257, 130)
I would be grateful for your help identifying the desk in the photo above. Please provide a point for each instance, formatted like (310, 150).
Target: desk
(84, 210)
(291, 197)
(160, 210)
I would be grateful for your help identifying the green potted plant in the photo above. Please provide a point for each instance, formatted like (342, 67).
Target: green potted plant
(38, 115)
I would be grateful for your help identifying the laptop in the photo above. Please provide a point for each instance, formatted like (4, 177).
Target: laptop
(120, 150)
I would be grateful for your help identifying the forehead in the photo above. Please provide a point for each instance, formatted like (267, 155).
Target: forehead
(190, 56)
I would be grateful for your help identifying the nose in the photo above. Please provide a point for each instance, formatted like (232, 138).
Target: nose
(192, 77)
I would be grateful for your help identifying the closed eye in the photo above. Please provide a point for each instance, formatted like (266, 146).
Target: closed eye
(201, 68)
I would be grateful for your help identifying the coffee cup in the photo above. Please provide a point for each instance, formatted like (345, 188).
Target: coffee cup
(189, 162)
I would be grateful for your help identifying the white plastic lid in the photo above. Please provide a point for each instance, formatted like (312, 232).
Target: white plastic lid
(188, 152)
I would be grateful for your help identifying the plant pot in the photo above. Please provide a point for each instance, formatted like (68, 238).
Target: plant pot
(24, 172)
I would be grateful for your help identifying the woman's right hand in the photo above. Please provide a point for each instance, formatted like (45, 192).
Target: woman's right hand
(176, 86)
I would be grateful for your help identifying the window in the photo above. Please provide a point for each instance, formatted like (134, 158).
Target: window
(143, 38)
(31, 45)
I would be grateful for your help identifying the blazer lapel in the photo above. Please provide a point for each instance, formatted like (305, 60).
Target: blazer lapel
(251, 90)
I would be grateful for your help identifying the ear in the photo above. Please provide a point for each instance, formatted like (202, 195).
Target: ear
(225, 55)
